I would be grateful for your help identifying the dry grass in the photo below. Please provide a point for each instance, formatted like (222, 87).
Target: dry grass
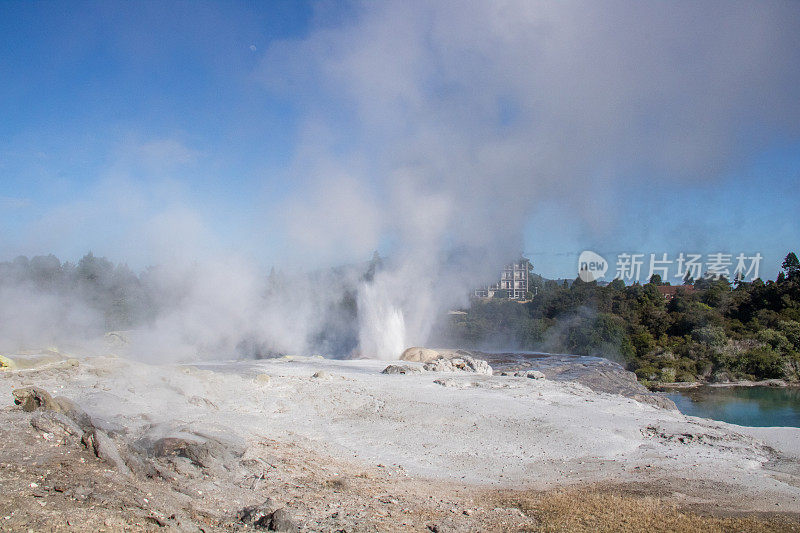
(600, 511)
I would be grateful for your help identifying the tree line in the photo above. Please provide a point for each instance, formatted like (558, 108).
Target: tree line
(119, 297)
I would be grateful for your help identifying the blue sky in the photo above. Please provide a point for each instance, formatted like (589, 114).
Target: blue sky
(86, 85)
(287, 129)
(751, 209)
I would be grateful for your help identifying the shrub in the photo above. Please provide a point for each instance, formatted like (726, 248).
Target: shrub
(667, 375)
(711, 335)
(775, 340)
(791, 330)
(643, 343)
(649, 373)
(762, 363)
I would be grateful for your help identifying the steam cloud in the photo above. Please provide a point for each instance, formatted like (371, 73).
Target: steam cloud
(434, 129)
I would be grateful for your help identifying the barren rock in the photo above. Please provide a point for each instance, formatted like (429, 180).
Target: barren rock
(6, 363)
(282, 521)
(105, 448)
(33, 398)
(419, 355)
(655, 399)
(268, 516)
(254, 514)
(464, 363)
(401, 369)
(56, 423)
(202, 449)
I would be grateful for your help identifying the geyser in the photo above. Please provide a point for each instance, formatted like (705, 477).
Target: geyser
(381, 328)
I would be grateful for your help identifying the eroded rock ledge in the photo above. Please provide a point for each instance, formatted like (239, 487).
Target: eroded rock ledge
(598, 374)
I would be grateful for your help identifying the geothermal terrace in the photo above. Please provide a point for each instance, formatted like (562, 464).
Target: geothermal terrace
(338, 444)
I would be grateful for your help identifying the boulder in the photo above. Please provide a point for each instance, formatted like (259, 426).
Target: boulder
(450, 354)
(401, 369)
(203, 452)
(268, 516)
(282, 521)
(33, 398)
(420, 355)
(105, 448)
(256, 514)
(204, 449)
(464, 363)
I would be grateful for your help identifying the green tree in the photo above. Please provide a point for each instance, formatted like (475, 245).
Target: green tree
(617, 285)
(791, 265)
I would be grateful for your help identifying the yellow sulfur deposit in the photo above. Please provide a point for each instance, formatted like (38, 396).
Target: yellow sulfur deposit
(6, 363)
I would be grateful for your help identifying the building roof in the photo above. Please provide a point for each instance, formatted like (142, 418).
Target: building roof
(669, 291)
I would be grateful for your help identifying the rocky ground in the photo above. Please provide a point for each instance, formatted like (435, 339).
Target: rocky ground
(313, 445)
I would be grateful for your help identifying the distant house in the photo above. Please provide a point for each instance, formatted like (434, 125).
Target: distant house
(670, 291)
(513, 279)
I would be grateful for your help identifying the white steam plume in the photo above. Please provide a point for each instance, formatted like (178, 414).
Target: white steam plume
(465, 116)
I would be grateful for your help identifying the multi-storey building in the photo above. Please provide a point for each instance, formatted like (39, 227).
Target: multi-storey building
(513, 279)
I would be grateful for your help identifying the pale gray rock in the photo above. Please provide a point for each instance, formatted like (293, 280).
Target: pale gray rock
(204, 449)
(57, 424)
(255, 514)
(282, 521)
(401, 369)
(607, 376)
(105, 448)
(417, 354)
(268, 516)
(463, 363)
(34, 398)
